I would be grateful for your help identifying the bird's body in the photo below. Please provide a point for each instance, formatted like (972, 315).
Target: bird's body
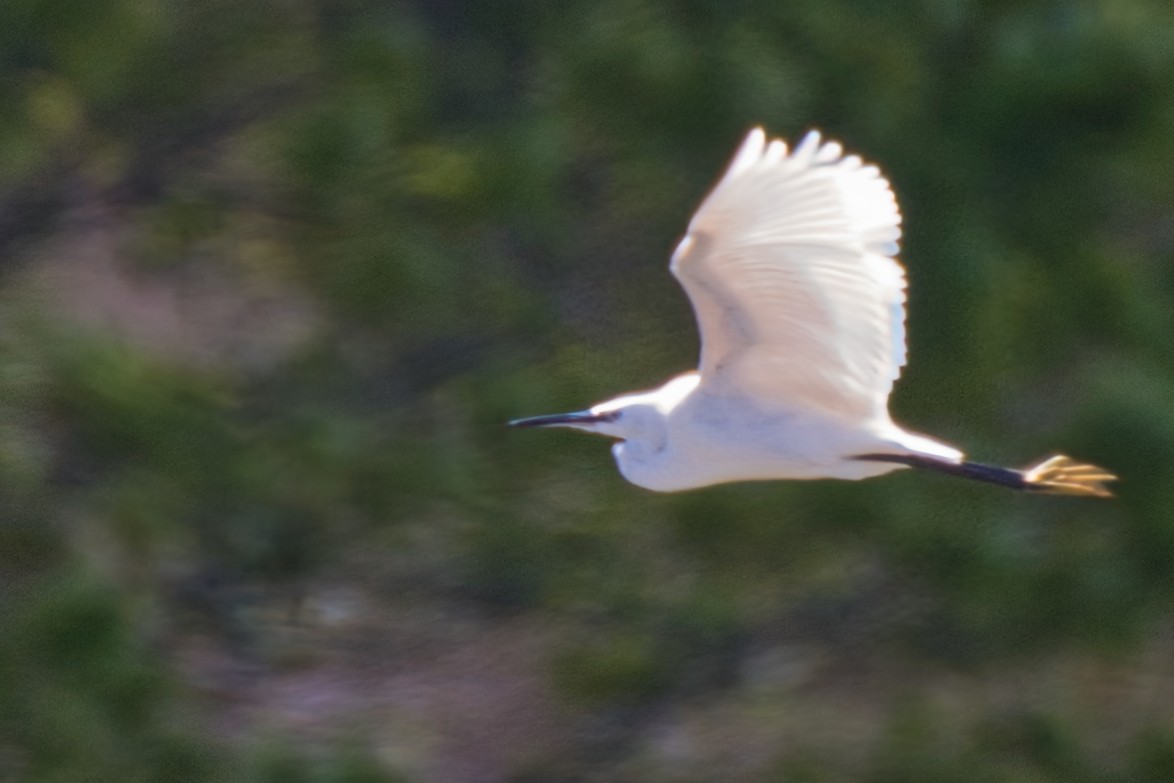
(789, 264)
(693, 438)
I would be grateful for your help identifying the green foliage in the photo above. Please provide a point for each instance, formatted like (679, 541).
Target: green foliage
(84, 699)
(278, 271)
(283, 764)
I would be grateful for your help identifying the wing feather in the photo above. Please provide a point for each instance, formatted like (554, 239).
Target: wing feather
(789, 266)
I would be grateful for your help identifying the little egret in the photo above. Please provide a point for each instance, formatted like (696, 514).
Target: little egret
(789, 264)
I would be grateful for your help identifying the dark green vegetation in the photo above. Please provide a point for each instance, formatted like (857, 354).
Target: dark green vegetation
(275, 272)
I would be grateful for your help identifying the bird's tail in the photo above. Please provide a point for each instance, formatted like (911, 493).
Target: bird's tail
(1060, 475)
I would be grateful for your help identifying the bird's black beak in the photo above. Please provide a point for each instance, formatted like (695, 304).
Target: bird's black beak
(576, 419)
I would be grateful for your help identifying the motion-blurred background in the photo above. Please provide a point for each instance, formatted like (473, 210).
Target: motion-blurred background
(275, 272)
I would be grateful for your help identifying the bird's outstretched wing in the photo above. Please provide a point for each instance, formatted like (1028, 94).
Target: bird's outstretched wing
(788, 264)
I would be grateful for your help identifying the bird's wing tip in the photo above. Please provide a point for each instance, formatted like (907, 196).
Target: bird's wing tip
(809, 145)
(750, 151)
(812, 147)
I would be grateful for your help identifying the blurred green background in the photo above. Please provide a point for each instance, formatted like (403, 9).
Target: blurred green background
(275, 272)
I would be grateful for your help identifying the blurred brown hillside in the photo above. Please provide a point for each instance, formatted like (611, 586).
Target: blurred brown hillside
(275, 273)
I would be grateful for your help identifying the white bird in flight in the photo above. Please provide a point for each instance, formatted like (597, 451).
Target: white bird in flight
(789, 264)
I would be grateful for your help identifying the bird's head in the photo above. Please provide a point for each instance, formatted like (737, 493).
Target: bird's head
(640, 424)
(628, 418)
(640, 419)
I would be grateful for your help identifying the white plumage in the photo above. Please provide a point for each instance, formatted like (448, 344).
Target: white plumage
(789, 264)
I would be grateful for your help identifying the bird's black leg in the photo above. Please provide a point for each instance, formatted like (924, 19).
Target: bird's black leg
(992, 474)
(1056, 475)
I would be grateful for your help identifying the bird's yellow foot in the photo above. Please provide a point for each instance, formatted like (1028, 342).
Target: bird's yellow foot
(1060, 475)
